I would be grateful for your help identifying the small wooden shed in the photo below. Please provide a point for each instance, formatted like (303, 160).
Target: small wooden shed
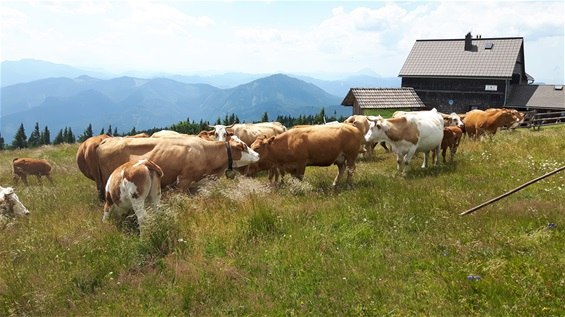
(381, 98)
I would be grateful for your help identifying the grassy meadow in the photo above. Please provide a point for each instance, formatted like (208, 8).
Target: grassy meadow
(389, 246)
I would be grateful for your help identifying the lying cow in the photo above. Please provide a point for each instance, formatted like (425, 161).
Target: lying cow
(130, 185)
(479, 122)
(22, 167)
(183, 160)
(10, 205)
(410, 132)
(318, 145)
(247, 132)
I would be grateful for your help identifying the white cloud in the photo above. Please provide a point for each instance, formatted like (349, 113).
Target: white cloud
(83, 7)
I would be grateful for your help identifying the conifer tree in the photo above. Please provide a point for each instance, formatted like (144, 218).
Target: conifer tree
(35, 137)
(2, 145)
(115, 133)
(59, 138)
(265, 117)
(68, 136)
(86, 134)
(45, 138)
(20, 140)
(102, 131)
(110, 130)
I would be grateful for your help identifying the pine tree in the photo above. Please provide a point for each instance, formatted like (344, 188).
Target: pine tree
(59, 138)
(68, 136)
(110, 130)
(86, 134)
(20, 140)
(35, 137)
(2, 145)
(102, 131)
(265, 117)
(115, 131)
(45, 138)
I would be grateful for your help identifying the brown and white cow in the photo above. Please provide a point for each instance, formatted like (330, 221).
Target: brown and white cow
(183, 160)
(248, 132)
(10, 205)
(318, 145)
(22, 167)
(452, 119)
(362, 122)
(410, 132)
(130, 185)
(480, 122)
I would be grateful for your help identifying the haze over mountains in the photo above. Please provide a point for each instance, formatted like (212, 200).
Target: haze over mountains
(59, 96)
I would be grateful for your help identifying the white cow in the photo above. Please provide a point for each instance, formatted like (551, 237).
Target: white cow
(408, 133)
(130, 185)
(453, 119)
(10, 205)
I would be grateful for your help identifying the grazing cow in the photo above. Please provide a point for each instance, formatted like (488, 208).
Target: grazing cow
(183, 160)
(479, 122)
(517, 115)
(411, 132)
(317, 145)
(130, 185)
(10, 205)
(248, 132)
(22, 167)
(451, 138)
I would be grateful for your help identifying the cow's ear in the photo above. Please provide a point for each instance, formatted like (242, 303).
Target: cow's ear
(379, 126)
(271, 139)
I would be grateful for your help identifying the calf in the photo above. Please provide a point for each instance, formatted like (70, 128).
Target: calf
(10, 205)
(362, 123)
(22, 167)
(130, 185)
(451, 138)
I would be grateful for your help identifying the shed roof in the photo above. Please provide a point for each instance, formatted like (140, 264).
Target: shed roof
(538, 96)
(383, 98)
(489, 57)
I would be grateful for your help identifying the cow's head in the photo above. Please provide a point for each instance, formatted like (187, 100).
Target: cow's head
(376, 129)
(223, 132)
(453, 119)
(10, 204)
(261, 145)
(242, 154)
(518, 118)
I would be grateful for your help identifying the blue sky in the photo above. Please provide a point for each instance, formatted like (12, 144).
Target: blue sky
(301, 37)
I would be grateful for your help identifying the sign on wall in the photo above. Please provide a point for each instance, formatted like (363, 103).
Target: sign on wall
(491, 87)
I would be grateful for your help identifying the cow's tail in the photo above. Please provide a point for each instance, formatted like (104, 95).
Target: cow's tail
(154, 167)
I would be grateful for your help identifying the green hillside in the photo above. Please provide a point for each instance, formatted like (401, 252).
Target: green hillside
(389, 246)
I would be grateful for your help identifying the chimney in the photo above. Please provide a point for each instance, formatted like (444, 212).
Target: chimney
(468, 44)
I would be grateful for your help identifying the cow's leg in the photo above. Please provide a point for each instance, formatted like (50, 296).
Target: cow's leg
(340, 170)
(138, 205)
(16, 179)
(24, 179)
(49, 179)
(408, 158)
(399, 161)
(107, 211)
(350, 166)
(39, 179)
(426, 158)
(183, 183)
(436, 155)
(443, 153)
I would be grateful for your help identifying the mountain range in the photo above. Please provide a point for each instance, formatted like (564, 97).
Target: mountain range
(125, 102)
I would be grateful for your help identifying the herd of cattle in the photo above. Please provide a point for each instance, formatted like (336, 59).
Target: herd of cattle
(130, 170)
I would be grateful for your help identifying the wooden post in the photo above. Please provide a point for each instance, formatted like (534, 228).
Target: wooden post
(486, 203)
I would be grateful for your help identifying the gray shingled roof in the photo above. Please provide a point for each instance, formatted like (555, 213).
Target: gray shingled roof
(383, 98)
(537, 96)
(448, 58)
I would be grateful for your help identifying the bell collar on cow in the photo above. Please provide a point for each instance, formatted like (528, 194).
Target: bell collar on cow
(229, 172)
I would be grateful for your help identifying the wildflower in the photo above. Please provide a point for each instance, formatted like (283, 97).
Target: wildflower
(551, 225)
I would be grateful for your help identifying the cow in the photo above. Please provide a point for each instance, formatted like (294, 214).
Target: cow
(318, 145)
(362, 122)
(480, 122)
(87, 160)
(452, 119)
(130, 185)
(183, 160)
(451, 139)
(21, 167)
(517, 115)
(247, 132)
(10, 205)
(410, 132)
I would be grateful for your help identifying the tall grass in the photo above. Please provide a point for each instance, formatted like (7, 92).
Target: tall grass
(391, 245)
